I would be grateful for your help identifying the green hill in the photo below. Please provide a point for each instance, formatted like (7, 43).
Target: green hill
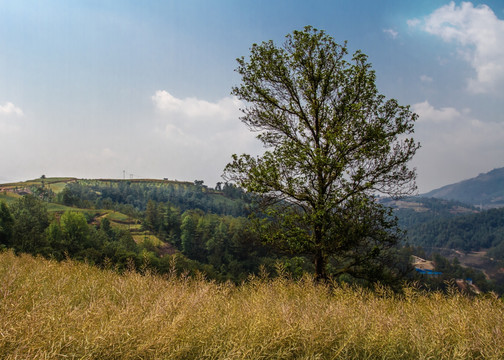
(146, 222)
(472, 232)
(155, 222)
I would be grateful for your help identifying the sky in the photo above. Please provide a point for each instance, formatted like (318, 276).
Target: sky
(142, 89)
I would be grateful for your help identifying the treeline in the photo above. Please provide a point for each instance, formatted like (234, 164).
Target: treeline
(208, 238)
(221, 246)
(187, 224)
(484, 230)
(27, 227)
(226, 244)
(132, 197)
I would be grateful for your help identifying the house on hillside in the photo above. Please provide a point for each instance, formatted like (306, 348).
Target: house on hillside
(428, 272)
(424, 267)
(23, 191)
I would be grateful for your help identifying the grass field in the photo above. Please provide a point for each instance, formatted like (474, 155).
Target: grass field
(8, 197)
(51, 310)
(53, 181)
(53, 207)
(119, 217)
(140, 238)
(57, 187)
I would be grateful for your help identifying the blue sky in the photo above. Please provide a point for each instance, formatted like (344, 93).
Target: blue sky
(92, 88)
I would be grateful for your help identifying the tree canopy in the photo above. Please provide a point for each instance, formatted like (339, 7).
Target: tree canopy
(332, 143)
(6, 224)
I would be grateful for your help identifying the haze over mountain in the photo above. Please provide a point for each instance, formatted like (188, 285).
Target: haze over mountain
(485, 190)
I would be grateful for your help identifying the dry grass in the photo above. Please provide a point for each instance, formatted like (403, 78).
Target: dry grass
(51, 310)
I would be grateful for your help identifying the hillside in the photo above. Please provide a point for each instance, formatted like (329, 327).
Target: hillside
(158, 224)
(485, 190)
(154, 223)
(472, 232)
(476, 240)
(417, 210)
(454, 230)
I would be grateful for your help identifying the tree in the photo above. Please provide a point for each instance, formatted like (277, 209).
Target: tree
(30, 221)
(332, 142)
(6, 224)
(190, 237)
(54, 236)
(152, 216)
(75, 231)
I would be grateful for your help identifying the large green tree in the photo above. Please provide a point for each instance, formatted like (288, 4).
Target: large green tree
(332, 142)
(30, 221)
(76, 232)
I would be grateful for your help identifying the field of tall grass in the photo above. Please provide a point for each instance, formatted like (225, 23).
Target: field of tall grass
(51, 310)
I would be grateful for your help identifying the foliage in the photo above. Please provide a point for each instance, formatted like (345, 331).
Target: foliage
(43, 192)
(471, 232)
(333, 141)
(72, 310)
(30, 221)
(75, 230)
(6, 224)
(133, 197)
(220, 246)
(225, 247)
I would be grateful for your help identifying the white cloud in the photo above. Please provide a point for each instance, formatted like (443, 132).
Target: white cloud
(427, 113)
(413, 22)
(195, 120)
(393, 34)
(479, 35)
(426, 79)
(10, 109)
(195, 108)
(455, 145)
(7, 123)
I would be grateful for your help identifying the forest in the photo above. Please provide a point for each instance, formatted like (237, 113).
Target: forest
(470, 232)
(162, 225)
(124, 223)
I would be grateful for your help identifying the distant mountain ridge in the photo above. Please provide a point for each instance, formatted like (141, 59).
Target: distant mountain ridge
(485, 190)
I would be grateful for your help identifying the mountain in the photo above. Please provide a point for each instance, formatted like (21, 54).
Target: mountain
(485, 190)
(416, 210)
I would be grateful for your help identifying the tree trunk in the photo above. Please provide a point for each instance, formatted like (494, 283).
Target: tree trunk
(320, 266)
